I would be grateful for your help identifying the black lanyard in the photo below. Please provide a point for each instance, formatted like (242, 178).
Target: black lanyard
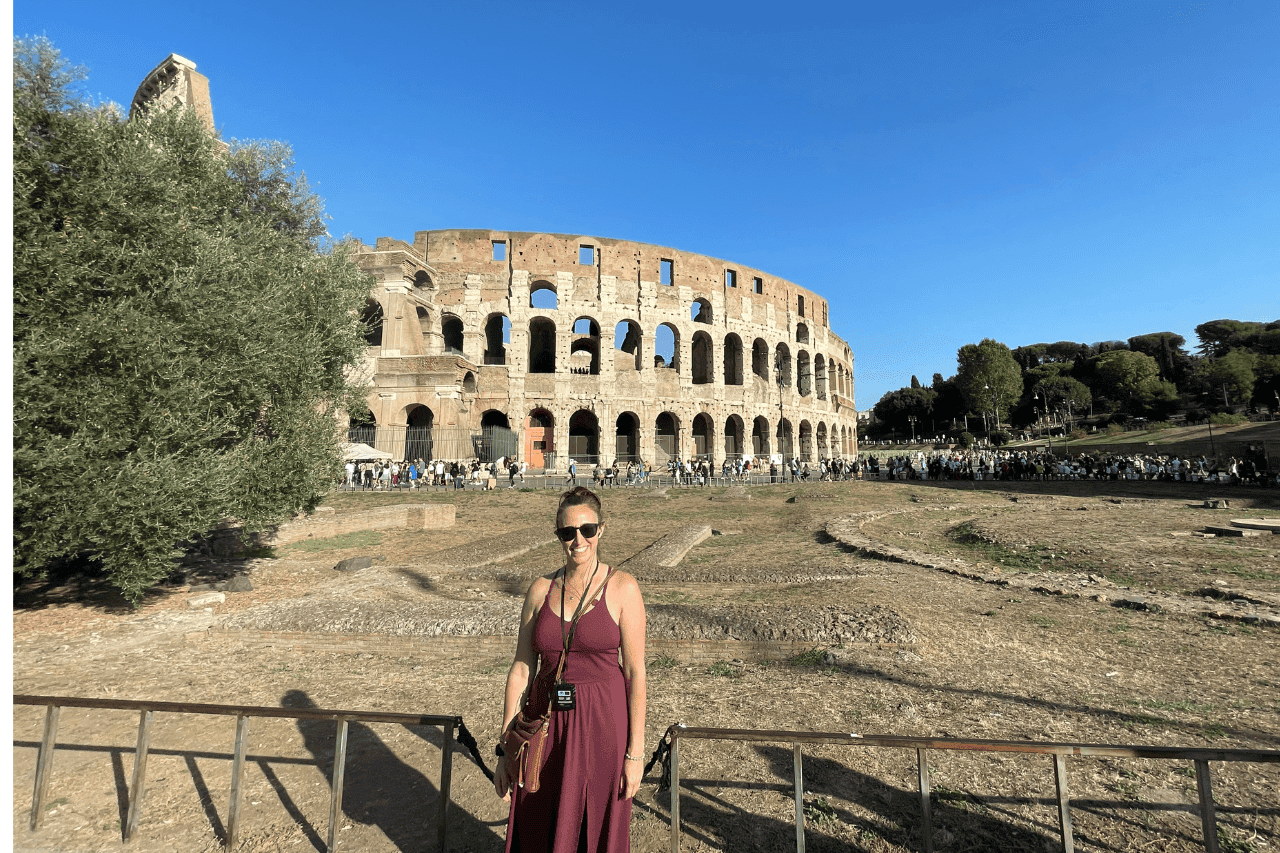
(567, 638)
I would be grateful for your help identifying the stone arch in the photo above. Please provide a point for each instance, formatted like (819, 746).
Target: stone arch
(363, 427)
(732, 359)
(497, 334)
(802, 333)
(627, 437)
(786, 442)
(452, 329)
(760, 441)
(700, 310)
(543, 294)
(584, 437)
(760, 358)
(703, 359)
(666, 353)
(734, 433)
(584, 347)
(419, 421)
(806, 441)
(804, 374)
(494, 418)
(824, 452)
(628, 340)
(469, 383)
(704, 435)
(423, 285)
(371, 318)
(666, 437)
(820, 375)
(782, 365)
(539, 437)
(424, 325)
(542, 345)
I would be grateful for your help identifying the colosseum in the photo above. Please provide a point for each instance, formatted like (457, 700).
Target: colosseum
(548, 347)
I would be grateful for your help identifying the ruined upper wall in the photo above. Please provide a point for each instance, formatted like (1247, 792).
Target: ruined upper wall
(470, 252)
(175, 82)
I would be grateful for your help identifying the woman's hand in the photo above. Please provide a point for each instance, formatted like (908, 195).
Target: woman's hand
(502, 782)
(632, 774)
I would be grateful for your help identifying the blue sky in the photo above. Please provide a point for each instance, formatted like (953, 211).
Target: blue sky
(941, 172)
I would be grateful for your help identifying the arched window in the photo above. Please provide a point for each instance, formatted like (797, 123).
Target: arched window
(539, 438)
(371, 319)
(760, 359)
(824, 452)
(363, 428)
(820, 372)
(666, 349)
(733, 437)
(424, 324)
(785, 445)
(542, 294)
(627, 438)
(497, 334)
(802, 333)
(700, 311)
(804, 374)
(732, 359)
(782, 365)
(627, 342)
(704, 433)
(451, 327)
(584, 437)
(469, 382)
(760, 437)
(666, 437)
(542, 345)
(703, 359)
(806, 441)
(584, 350)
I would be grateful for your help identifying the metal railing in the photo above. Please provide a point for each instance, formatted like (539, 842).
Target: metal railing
(242, 713)
(1059, 752)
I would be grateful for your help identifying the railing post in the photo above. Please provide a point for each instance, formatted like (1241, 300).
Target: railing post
(339, 770)
(1208, 815)
(797, 763)
(44, 765)
(675, 792)
(1064, 802)
(237, 781)
(139, 773)
(926, 805)
(446, 781)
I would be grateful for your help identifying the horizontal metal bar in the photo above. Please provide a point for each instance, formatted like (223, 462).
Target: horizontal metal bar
(1045, 748)
(241, 710)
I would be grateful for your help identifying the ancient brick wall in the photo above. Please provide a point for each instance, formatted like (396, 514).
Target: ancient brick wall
(582, 376)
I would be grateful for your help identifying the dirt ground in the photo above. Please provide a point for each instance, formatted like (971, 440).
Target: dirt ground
(992, 662)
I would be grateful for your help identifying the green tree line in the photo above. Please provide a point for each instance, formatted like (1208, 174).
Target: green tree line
(1235, 366)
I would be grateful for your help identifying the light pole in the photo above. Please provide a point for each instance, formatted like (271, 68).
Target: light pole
(995, 410)
(912, 419)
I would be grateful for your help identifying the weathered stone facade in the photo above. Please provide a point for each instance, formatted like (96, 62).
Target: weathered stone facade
(175, 82)
(754, 368)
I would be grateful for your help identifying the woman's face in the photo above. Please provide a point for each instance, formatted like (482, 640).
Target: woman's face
(580, 551)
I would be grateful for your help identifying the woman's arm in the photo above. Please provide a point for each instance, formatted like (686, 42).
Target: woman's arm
(631, 621)
(520, 676)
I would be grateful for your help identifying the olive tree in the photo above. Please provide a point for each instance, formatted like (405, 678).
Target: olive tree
(182, 337)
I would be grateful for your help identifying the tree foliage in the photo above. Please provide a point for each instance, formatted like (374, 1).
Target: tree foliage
(988, 377)
(42, 79)
(180, 344)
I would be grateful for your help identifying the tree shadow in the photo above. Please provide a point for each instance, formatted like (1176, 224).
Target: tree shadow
(381, 790)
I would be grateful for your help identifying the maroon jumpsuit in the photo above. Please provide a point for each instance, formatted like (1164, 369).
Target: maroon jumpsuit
(579, 794)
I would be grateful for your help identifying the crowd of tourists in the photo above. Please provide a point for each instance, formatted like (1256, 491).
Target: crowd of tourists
(977, 464)
(388, 475)
(1039, 465)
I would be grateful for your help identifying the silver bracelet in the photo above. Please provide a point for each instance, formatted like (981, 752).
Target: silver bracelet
(629, 757)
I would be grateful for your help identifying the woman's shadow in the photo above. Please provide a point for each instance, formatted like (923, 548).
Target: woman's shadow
(379, 789)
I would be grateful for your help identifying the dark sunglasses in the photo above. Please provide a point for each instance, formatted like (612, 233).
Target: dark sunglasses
(589, 531)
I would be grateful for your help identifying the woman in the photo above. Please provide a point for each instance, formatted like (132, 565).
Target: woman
(594, 750)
